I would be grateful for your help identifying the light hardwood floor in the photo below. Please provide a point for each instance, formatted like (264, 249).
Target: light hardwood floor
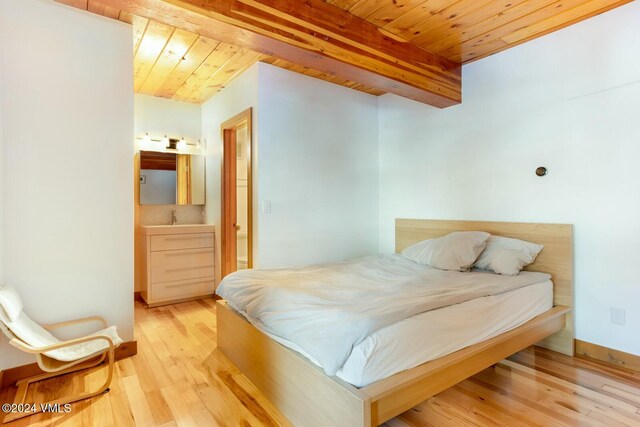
(167, 384)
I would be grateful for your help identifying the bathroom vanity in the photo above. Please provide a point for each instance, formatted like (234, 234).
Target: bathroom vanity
(176, 263)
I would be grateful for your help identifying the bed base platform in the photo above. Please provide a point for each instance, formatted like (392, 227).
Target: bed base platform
(308, 397)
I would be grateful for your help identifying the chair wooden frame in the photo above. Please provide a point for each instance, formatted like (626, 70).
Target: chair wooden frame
(54, 368)
(308, 397)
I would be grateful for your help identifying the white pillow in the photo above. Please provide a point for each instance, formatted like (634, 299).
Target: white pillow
(504, 255)
(455, 251)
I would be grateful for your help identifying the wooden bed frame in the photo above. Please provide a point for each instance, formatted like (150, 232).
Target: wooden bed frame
(308, 397)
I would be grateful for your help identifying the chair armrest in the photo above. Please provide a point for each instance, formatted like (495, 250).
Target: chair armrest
(39, 350)
(53, 326)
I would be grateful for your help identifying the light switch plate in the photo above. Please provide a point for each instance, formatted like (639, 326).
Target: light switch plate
(618, 316)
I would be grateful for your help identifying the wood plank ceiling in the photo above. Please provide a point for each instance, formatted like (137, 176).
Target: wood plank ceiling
(176, 64)
(468, 30)
(183, 66)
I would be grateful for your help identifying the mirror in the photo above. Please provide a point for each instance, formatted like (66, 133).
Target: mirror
(171, 178)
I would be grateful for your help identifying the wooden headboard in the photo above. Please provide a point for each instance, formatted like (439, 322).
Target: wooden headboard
(556, 258)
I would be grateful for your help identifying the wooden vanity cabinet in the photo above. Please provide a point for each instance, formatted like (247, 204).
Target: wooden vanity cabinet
(177, 263)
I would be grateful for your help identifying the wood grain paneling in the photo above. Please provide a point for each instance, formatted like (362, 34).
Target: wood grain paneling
(155, 160)
(196, 56)
(185, 66)
(467, 30)
(317, 35)
(152, 46)
(280, 373)
(189, 63)
(101, 9)
(166, 61)
(608, 355)
(548, 17)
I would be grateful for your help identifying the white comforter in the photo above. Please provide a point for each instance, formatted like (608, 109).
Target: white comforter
(328, 309)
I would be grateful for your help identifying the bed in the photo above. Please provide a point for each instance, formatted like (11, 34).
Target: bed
(307, 396)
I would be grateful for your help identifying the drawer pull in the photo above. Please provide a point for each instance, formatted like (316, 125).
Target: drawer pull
(186, 283)
(184, 264)
(182, 285)
(187, 252)
(187, 268)
(181, 241)
(186, 237)
(182, 289)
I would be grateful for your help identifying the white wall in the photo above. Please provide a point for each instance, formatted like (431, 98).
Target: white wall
(318, 165)
(67, 111)
(315, 157)
(569, 101)
(159, 116)
(241, 94)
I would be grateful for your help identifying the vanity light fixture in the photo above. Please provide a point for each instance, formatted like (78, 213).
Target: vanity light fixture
(171, 144)
(146, 143)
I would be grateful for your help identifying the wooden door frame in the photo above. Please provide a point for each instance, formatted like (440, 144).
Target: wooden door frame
(229, 232)
(235, 123)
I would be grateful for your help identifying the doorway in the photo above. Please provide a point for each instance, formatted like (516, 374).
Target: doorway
(237, 224)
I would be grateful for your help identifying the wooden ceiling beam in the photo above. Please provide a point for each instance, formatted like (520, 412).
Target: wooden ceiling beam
(317, 35)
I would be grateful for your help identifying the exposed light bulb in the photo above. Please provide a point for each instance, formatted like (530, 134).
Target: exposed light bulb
(182, 145)
(146, 142)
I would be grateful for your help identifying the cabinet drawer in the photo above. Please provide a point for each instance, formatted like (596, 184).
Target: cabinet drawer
(167, 266)
(181, 241)
(181, 289)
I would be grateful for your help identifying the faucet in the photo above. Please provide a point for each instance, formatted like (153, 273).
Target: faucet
(174, 220)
